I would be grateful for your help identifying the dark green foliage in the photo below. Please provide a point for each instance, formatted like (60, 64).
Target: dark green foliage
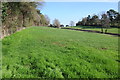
(4, 11)
(18, 15)
(96, 20)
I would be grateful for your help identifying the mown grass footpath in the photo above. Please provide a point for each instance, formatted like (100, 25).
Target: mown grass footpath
(42, 52)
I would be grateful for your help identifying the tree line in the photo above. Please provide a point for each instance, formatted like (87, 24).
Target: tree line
(57, 24)
(19, 15)
(105, 20)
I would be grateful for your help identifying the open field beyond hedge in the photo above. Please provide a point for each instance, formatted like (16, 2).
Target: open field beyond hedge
(110, 30)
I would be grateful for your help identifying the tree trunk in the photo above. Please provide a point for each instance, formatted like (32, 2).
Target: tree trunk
(4, 32)
(106, 30)
(23, 25)
(7, 32)
(11, 30)
(101, 29)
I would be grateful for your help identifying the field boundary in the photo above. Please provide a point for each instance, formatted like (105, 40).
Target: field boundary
(114, 34)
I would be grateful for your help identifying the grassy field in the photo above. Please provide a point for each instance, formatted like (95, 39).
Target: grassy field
(0, 58)
(42, 52)
(110, 30)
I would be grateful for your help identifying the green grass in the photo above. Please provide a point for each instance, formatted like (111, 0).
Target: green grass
(110, 30)
(0, 58)
(42, 52)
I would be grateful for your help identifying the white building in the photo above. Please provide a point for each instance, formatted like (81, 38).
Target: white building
(119, 6)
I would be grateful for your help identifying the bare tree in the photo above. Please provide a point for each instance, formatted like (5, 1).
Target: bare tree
(47, 20)
(72, 23)
(84, 20)
(56, 23)
(105, 22)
